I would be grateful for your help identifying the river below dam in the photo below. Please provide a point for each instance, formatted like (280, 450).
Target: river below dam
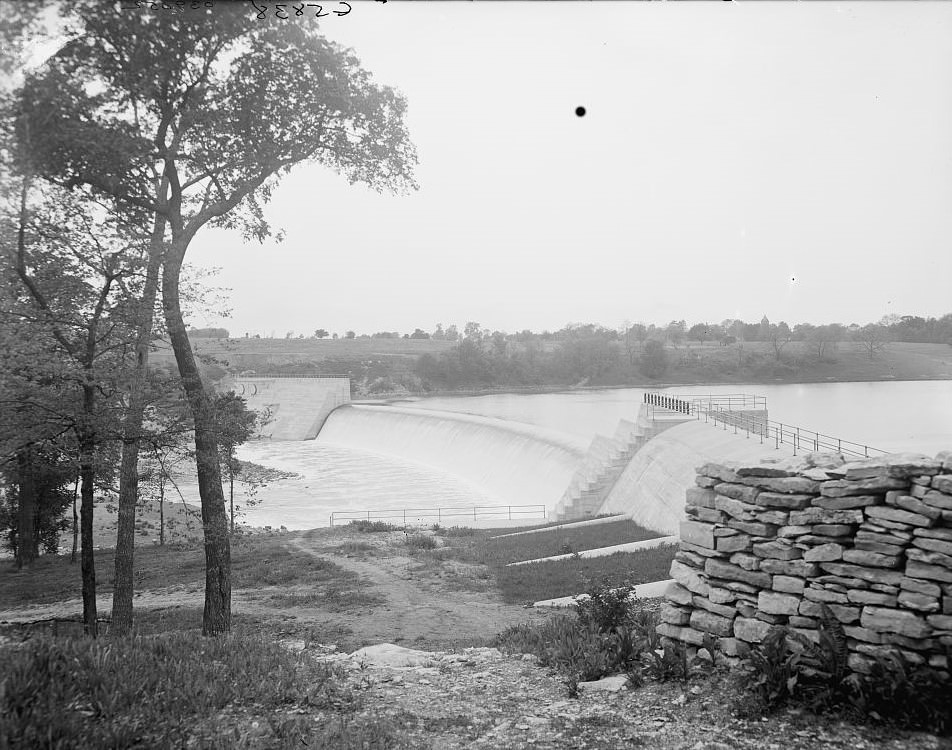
(505, 449)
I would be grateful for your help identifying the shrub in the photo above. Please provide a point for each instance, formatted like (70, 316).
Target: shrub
(421, 541)
(898, 693)
(789, 668)
(605, 607)
(608, 635)
(454, 531)
(373, 527)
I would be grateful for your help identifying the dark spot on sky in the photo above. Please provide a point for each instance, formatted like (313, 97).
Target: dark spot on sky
(580, 111)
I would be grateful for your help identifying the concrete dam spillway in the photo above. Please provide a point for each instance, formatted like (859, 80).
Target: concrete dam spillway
(641, 471)
(519, 464)
(513, 462)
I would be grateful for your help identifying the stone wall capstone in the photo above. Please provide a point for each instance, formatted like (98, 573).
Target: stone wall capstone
(778, 542)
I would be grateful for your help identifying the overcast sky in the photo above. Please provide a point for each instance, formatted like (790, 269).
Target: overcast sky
(735, 160)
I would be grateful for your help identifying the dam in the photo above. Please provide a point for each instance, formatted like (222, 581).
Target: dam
(577, 453)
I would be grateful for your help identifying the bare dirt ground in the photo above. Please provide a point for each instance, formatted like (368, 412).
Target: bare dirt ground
(393, 598)
(459, 697)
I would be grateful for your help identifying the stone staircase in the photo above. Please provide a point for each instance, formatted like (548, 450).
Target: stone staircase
(606, 460)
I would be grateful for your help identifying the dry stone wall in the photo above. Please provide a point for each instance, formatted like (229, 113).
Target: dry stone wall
(771, 544)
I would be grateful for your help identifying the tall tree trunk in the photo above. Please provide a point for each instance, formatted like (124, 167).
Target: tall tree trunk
(26, 509)
(87, 474)
(72, 557)
(161, 512)
(217, 613)
(231, 495)
(132, 428)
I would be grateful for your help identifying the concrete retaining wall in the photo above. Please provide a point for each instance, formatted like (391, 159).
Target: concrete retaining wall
(794, 541)
(299, 406)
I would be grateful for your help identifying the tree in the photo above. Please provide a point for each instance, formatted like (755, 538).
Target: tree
(700, 332)
(823, 340)
(452, 334)
(193, 118)
(51, 474)
(675, 332)
(350, 335)
(320, 333)
(778, 334)
(419, 333)
(872, 338)
(236, 424)
(76, 266)
(654, 359)
(473, 332)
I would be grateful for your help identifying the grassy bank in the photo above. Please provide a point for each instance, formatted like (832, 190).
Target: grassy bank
(257, 560)
(177, 690)
(566, 540)
(547, 580)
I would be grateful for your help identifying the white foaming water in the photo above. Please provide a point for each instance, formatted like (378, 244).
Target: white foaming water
(516, 463)
(344, 479)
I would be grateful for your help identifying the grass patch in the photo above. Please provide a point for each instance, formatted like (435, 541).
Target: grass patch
(478, 551)
(547, 525)
(373, 527)
(173, 690)
(562, 541)
(258, 560)
(354, 548)
(332, 600)
(453, 531)
(549, 580)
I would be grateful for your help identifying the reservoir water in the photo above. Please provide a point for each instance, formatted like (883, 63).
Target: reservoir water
(523, 448)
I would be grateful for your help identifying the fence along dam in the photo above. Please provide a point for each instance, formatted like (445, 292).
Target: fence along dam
(641, 470)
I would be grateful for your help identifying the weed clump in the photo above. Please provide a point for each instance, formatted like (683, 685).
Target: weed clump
(608, 634)
(373, 527)
(421, 541)
(453, 531)
(788, 668)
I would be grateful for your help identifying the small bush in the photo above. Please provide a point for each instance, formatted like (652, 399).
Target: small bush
(606, 607)
(373, 527)
(788, 668)
(898, 693)
(607, 636)
(421, 541)
(454, 531)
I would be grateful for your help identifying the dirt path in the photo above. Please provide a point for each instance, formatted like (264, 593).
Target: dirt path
(393, 597)
(417, 607)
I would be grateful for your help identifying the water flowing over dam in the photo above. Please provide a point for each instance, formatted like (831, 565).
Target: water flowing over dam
(515, 462)
(578, 454)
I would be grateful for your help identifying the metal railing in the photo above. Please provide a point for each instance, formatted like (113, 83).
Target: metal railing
(728, 411)
(690, 403)
(414, 515)
(288, 375)
(798, 438)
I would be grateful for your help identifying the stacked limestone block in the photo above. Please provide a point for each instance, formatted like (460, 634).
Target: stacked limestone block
(770, 543)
